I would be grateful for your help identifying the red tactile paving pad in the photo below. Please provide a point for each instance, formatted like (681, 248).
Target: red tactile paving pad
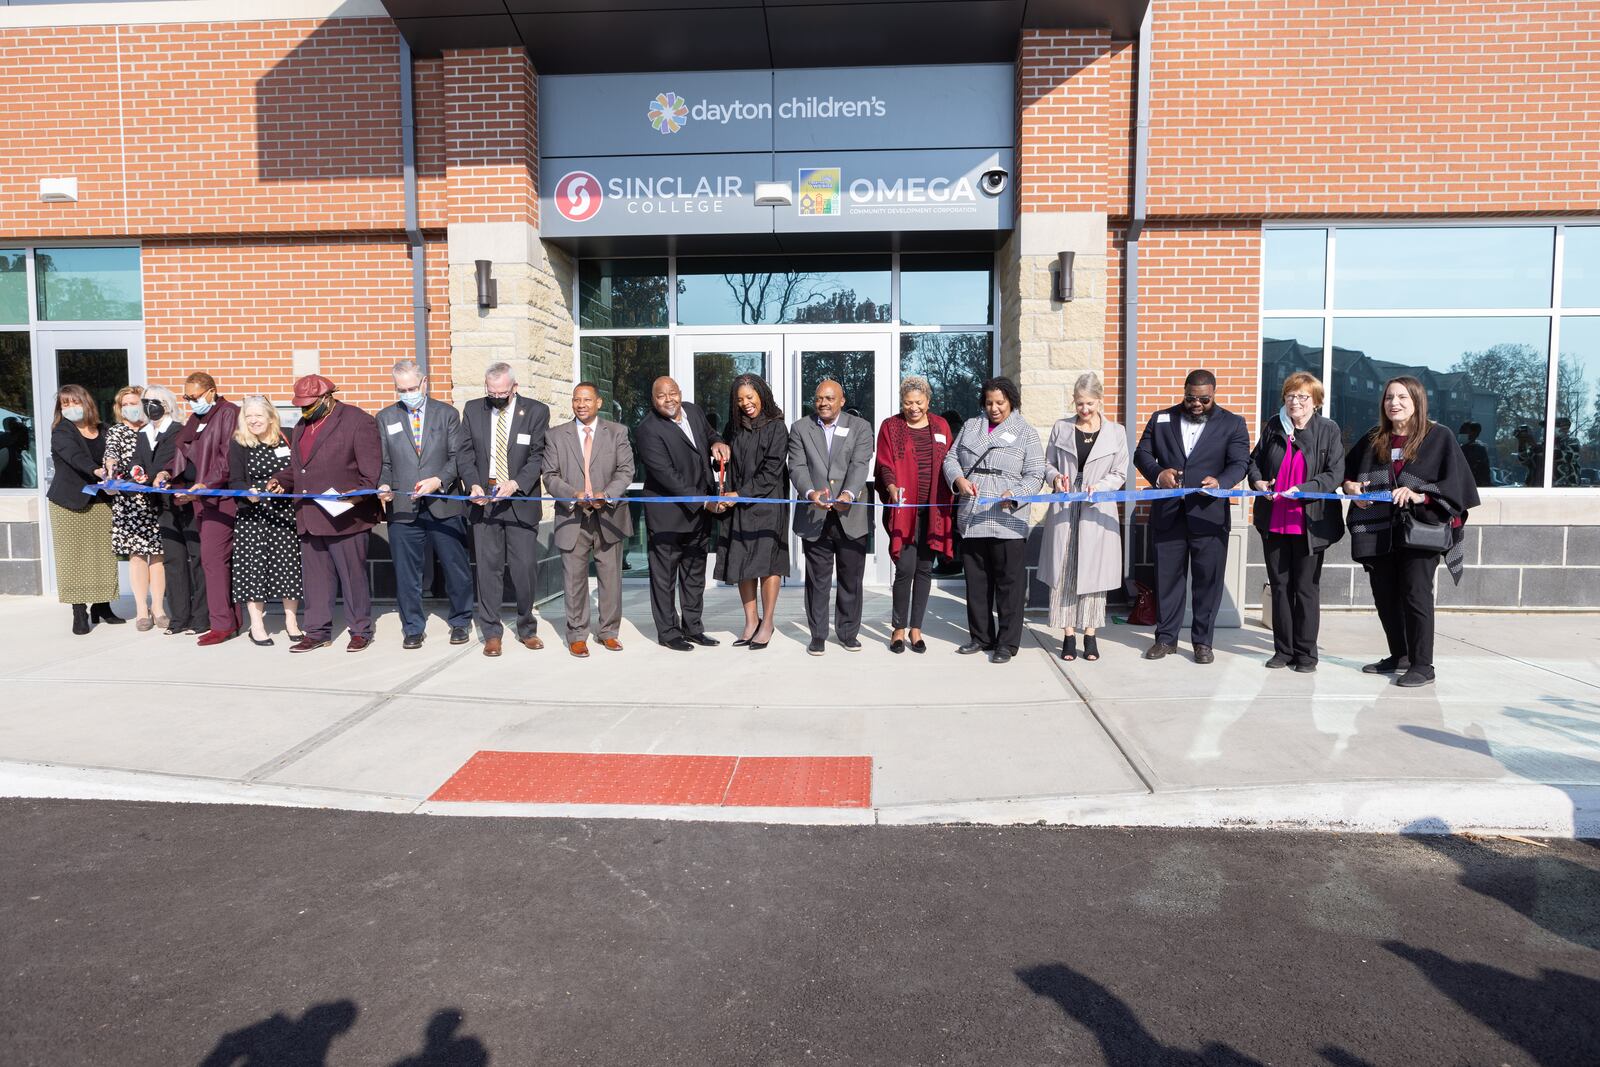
(630, 778)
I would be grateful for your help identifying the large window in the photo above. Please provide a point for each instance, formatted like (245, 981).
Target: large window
(19, 458)
(88, 284)
(767, 290)
(1474, 312)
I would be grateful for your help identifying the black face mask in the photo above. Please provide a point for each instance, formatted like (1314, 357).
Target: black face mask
(498, 402)
(153, 410)
(315, 411)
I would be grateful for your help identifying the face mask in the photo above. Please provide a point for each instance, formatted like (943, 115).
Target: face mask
(72, 414)
(153, 410)
(412, 400)
(498, 402)
(313, 412)
(133, 412)
(200, 407)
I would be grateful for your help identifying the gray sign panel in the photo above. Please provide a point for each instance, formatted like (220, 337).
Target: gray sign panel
(605, 196)
(964, 106)
(882, 191)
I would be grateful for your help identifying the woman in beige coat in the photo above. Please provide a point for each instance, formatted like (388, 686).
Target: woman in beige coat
(1080, 553)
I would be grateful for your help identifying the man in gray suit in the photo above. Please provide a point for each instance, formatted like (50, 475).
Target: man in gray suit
(589, 460)
(829, 455)
(421, 445)
(501, 453)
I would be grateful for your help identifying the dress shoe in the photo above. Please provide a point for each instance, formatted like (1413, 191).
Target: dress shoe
(80, 619)
(265, 642)
(357, 644)
(412, 641)
(1416, 676)
(102, 612)
(579, 649)
(678, 644)
(850, 645)
(1000, 655)
(533, 642)
(1388, 665)
(816, 647)
(1203, 654)
(919, 646)
(1304, 666)
(897, 646)
(306, 644)
(213, 637)
(459, 635)
(143, 625)
(491, 646)
(611, 644)
(1159, 649)
(971, 648)
(1277, 662)
(702, 640)
(162, 622)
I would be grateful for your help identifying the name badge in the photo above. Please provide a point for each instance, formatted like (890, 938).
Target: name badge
(1009, 438)
(1395, 454)
(1163, 417)
(524, 439)
(200, 427)
(939, 437)
(282, 451)
(394, 427)
(841, 431)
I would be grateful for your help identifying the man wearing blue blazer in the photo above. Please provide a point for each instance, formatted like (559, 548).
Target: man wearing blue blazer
(1195, 444)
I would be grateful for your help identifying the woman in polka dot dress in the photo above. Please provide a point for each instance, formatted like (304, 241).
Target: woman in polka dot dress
(266, 545)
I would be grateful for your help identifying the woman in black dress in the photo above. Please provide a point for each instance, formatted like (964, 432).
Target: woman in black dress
(755, 547)
(266, 545)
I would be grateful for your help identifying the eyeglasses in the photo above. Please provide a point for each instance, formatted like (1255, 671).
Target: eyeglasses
(1299, 398)
(1203, 401)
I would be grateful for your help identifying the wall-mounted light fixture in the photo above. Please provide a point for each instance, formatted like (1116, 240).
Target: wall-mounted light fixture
(1064, 276)
(58, 190)
(774, 194)
(488, 288)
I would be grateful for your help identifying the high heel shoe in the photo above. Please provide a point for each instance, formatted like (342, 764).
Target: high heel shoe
(1069, 646)
(296, 638)
(1091, 649)
(757, 646)
(260, 644)
(744, 642)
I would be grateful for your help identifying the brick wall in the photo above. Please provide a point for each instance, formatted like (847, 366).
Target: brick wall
(491, 148)
(1064, 107)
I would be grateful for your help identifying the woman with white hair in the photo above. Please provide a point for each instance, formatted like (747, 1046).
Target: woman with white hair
(1080, 554)
(156, 449)
(266, 543)
(911, 451)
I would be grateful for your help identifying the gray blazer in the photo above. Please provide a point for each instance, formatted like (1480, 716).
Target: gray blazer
(812, 467)
(403, 467)
(610, 473)
(1008, 460)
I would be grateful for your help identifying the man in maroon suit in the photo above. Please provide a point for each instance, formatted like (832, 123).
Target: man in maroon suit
(202, 463)
(335, 448)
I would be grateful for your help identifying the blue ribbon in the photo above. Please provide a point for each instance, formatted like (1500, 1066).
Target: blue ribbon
(1118, 496)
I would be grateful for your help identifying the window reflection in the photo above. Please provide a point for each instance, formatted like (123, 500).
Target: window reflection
(88, 284)
(1444, 267)
(852, 369)
(1577, 436)
(714, 373)
(755, 290)
(13, 286)
(947, 290)
(1580, 268)
(19, 466)
(1297, 263)
(1489, 371)
(102, 371)
(622, 294)
(624, 368)
(955, 365)
(1287, 346)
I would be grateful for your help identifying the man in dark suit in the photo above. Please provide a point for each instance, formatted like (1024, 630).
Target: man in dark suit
(502, 452)
(676, 448)
(1195, 444)
(202, 449)
(335, 448)
(830, 454)
(421, 448)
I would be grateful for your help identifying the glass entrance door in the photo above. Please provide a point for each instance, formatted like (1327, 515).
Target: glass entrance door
(793, 364)
(102, 361)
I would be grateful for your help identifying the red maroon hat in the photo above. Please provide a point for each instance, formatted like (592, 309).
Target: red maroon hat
(310, 389)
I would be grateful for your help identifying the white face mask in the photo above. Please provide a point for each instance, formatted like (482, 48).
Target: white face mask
(200, 407)
(72, 414)
(133, 412)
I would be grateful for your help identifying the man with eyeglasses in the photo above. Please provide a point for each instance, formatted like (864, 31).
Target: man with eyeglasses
(502, 453)
(1197, 444)
(202, 449)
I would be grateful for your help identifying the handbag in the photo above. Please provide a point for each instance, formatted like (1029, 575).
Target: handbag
(1418, 533)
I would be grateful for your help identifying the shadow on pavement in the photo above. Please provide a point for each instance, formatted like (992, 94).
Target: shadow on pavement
(281, 1041)
(1551, 1017)
(1124, 1041)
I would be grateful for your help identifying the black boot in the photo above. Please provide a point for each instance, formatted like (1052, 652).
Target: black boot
(101, 612)
(80, 619)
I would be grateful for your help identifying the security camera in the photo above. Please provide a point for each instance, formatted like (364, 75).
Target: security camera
(993, 182)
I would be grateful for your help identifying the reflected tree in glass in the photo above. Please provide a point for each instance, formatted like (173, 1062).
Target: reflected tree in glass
(88, 284)
(955, 364)
(1512, 376)
(714, 373)
(624, 368)
(102, 371)
(622, 294)
(19, 467)
(853, 370)
(13, 286)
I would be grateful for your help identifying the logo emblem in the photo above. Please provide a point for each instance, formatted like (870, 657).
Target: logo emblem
(821, 191)
(668, 113)
(578, 196)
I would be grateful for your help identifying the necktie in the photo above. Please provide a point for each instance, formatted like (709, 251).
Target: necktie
(416, 429)
(588, 450)
(502, 433)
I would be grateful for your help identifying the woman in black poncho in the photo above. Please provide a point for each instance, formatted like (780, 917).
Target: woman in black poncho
(1400, 544)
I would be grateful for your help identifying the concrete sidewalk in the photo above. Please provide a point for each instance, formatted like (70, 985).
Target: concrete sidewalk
(1508, 739)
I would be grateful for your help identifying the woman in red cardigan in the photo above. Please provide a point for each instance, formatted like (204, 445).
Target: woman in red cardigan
(911, 449)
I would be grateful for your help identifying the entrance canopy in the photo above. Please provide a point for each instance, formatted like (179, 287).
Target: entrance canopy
(597, 36)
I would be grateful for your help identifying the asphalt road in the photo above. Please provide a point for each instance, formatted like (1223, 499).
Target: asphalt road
(169, 934)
